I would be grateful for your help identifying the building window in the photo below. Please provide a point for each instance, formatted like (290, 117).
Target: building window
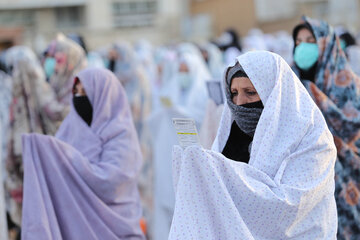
(17, 17)
(69, 17)
(136, 13)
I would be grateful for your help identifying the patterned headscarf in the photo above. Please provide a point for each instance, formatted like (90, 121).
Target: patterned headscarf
(336, 91)
(33, 108)
(70, 59)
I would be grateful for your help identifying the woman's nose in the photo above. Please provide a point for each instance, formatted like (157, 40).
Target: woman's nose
(239, 100)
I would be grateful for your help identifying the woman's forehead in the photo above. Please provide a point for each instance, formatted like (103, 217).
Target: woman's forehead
(183, 66)
(304, 33)
(241, 82)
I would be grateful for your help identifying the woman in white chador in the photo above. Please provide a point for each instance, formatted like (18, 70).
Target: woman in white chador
(270, 173)
(187, 97)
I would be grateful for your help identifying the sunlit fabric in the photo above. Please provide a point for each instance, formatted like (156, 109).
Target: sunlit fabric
(287, 189)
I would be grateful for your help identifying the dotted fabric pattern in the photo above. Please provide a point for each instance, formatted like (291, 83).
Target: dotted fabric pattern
(287, 189)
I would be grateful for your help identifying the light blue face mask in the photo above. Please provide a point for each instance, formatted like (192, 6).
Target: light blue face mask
(184, 80)
(306, 55)
(342, 44)
(49, 66)
(106, 63)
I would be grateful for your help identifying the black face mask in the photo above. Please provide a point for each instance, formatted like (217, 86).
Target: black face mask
(83, 108)
(112, 65)
(257, 104)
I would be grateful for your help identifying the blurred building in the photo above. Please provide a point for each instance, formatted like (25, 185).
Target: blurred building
(223, 14)
(35, 22)
(101, 22)
(286, 13)
(271, 16)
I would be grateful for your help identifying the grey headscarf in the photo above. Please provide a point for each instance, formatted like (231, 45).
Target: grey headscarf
(246, 118)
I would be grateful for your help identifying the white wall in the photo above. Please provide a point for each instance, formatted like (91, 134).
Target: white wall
(272, 10)
(98, 15)
(344, 12)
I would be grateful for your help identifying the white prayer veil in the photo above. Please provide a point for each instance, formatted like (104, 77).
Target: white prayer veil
(287, 189)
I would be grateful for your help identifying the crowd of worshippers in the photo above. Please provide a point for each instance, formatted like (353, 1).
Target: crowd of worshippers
(89, 150)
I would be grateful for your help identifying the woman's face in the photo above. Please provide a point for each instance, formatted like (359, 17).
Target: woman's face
(304, 35)
(243, 91)
(61, 63)
(183, 68)
(79, 89)
(113, 55)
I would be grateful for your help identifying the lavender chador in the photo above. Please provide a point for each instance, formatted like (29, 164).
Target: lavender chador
(82, 184)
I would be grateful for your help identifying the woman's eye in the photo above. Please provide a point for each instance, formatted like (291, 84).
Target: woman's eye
(233, 94)
(251, 93)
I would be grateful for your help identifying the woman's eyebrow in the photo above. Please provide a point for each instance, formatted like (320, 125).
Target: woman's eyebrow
(249, 88)
(310, 38)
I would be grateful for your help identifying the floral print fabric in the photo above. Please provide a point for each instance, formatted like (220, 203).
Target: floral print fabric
(336, 91)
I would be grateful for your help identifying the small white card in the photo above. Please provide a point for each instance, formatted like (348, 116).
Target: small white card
(186, 131)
